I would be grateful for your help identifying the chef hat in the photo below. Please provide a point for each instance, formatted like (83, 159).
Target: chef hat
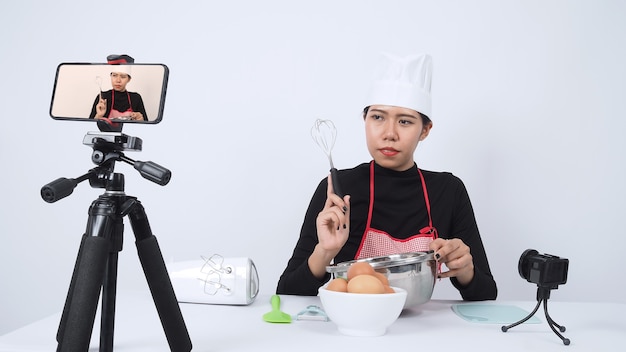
(403, 82)
(121, 68)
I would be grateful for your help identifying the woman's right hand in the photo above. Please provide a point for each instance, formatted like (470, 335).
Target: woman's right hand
(333, 227)
(101, 108)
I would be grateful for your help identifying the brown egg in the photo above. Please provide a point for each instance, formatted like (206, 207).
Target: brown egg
(382, 278)
(365, 284)
(389, 289)
(360, 268)
(338, 284)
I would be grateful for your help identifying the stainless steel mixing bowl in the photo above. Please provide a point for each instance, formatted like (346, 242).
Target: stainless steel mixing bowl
(415, 272)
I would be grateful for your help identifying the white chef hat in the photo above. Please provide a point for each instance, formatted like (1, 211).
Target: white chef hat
(121, 68)
(403, 82)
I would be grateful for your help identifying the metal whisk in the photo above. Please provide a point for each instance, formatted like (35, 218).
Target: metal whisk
(99, 84)
(324, 134)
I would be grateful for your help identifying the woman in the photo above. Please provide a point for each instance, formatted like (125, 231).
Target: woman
(391, 206)
(118, 103)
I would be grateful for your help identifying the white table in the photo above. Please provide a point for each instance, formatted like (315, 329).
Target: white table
(432, 326)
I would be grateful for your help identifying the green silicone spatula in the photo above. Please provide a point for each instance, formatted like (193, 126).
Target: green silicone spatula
(276, 316)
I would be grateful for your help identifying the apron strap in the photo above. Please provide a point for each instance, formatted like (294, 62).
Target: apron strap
(371, 205)
(430, 220)
(112, 102)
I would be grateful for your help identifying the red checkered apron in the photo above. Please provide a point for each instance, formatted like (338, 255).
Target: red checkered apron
(114, 114)
(376, 243)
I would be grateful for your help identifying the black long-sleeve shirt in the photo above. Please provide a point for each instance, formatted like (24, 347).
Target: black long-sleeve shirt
(399, 210)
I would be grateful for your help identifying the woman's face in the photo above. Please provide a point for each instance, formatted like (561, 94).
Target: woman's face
(119, 80)
(392, 134)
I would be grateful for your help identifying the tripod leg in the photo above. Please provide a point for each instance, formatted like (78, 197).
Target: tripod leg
(159, 282)
(70, 291)
(77, 323)
(552, 324)
(549, 318)
(109, 288)
(506, 328)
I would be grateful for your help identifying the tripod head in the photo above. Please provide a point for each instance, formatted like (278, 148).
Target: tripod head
(108, 147)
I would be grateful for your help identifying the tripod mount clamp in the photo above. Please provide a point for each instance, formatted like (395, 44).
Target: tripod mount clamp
(108, 147)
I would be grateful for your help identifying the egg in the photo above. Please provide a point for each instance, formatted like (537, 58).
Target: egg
(360, 268)
(338, 284)
(389, 289)
(382, 278)
(365, 284)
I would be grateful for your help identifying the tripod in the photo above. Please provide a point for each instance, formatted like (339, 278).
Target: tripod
(543, 294)
(96, 264)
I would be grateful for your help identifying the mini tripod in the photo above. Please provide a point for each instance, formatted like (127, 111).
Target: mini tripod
(97, 261)
(543, 294)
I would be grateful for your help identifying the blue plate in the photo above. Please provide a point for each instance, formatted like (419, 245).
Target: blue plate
(493, 313)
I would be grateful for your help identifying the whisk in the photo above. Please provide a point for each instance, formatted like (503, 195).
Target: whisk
(324, 134)
(99, 84)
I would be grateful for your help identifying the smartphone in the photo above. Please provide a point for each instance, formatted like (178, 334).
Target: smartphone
(116, 93)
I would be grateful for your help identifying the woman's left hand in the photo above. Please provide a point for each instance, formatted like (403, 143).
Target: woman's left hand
(455, 254)
(136, 116)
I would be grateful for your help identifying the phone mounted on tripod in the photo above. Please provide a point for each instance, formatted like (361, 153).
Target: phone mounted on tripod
(111, 94)
(73, 100)
(95, 270)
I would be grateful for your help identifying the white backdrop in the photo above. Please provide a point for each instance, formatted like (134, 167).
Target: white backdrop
(528, 101)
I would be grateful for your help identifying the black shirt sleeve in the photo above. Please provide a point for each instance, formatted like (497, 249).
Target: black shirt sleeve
(137, 105)
(297, 278)
(464, 227)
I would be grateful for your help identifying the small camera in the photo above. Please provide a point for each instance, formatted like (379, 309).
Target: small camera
(545, 270)
(548, 272)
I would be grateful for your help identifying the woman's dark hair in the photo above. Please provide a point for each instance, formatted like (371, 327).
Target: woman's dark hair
(425, 119)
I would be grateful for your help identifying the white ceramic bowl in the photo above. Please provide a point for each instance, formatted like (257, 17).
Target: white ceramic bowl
(362, 314)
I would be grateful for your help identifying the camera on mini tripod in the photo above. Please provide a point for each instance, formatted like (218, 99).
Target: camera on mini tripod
(545, 270)
(548, 272)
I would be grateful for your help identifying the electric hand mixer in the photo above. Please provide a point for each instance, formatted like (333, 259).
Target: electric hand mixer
(324, 134)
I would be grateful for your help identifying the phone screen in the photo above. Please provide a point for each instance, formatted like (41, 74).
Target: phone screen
(125, 93)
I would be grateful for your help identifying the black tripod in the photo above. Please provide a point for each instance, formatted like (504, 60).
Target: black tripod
(97, 260)
(543, 294)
